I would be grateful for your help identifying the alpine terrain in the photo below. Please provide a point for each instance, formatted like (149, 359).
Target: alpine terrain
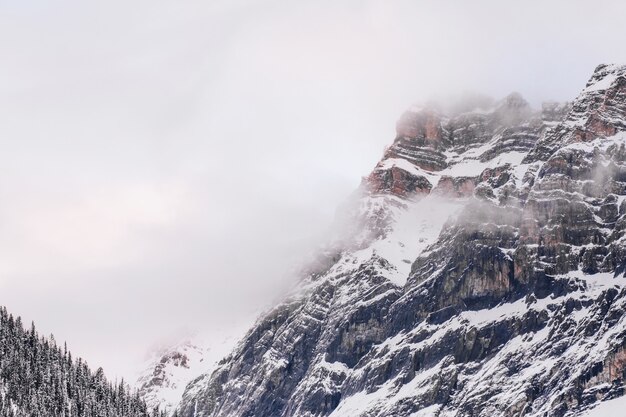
(478, 271)
(170, 367)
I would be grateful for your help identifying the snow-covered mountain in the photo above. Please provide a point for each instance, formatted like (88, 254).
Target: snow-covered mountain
(167, 372)
(171, 366)
(479, 272)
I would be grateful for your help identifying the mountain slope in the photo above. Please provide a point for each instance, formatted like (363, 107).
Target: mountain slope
(165, 376)
(482, 274)
(39, 379)
(171, 367)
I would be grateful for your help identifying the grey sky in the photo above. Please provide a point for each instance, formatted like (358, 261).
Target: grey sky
(162, 161)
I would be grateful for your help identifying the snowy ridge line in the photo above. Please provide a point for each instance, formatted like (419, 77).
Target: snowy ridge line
(462, 286)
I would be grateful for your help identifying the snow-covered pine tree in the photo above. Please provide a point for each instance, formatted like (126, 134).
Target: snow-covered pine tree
(40, 379)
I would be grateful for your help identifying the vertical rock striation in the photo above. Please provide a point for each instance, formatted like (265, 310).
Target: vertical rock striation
(484, 276)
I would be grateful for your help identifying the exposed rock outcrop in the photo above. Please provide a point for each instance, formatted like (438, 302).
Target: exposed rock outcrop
(487, 278)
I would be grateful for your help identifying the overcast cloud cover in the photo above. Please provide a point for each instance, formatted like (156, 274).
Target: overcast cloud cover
(162, 162)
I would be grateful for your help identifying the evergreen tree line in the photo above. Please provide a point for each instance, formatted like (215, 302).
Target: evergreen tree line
(40, 379)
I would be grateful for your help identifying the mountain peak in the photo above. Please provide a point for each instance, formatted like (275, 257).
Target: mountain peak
(513, 100)
(430, 151)
(605, 77)
(498, 291)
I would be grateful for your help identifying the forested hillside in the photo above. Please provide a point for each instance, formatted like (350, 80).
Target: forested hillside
(39, 378)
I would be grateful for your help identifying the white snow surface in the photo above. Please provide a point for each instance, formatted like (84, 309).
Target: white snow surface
(174, 375)
(474, 167)
(201, 353)
(416, 227)
(612, 73)
(407, 166)
(611, 408)
(467, 164)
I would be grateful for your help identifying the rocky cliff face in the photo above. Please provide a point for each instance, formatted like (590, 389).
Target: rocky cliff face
(484, 277)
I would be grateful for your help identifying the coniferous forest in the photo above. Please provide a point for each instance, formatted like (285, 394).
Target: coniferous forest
(38, 378)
